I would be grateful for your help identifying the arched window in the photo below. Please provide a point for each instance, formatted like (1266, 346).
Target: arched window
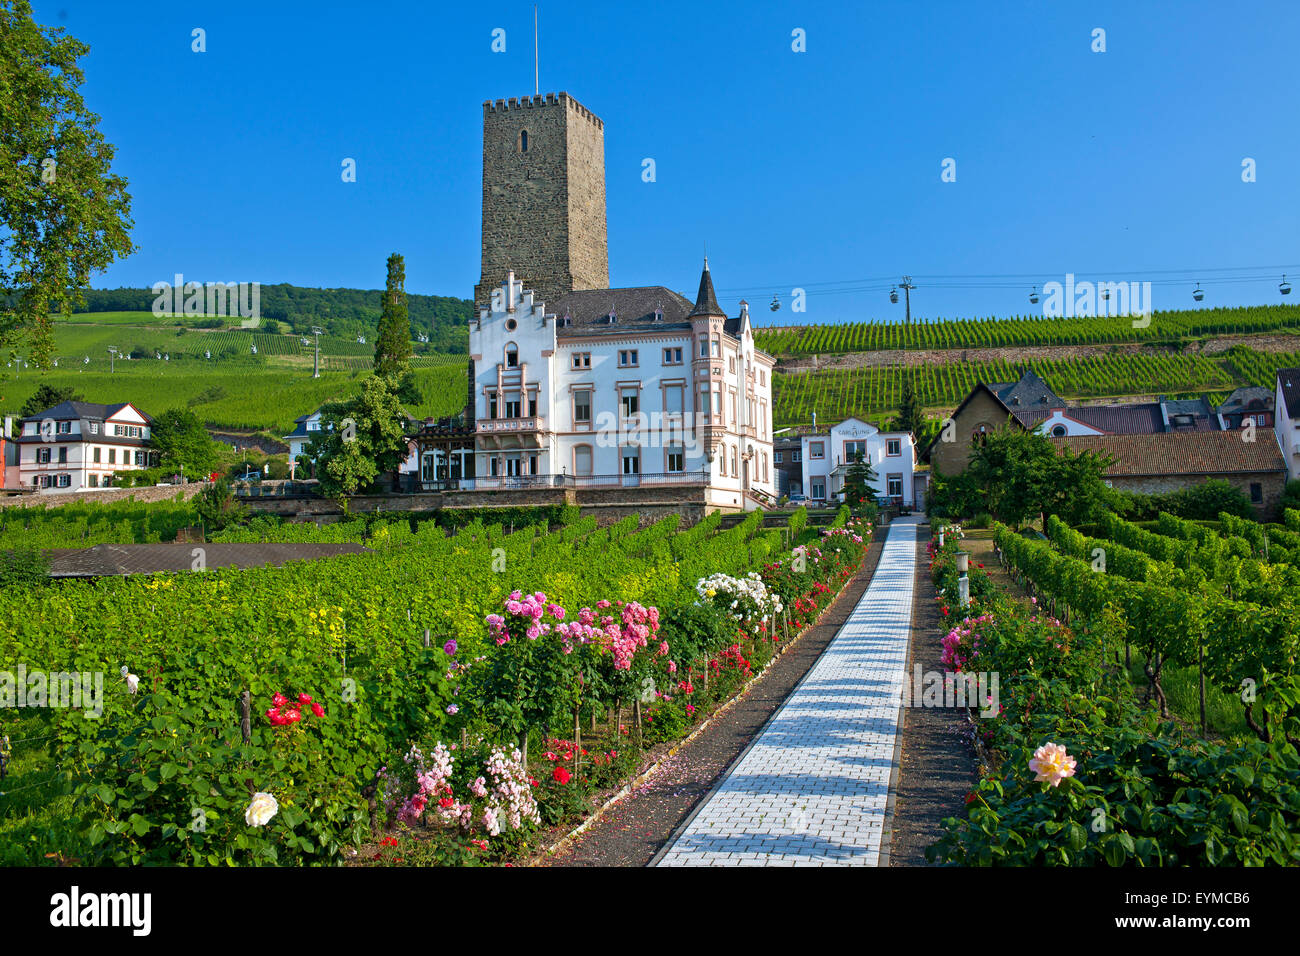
(523, 141)
(582, 460)
(512, 355)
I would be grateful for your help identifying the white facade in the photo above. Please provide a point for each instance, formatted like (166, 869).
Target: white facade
(661, 396)
(79, 445)
(1287, 428)
(827, 457)
(1060, 425)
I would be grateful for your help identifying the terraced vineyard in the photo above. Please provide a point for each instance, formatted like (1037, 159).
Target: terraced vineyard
(1026, 330)
(863, 392)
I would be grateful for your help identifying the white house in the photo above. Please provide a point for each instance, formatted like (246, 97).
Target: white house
(79, 445)
(891, 455)
(1286, 419)
(626, 387)
(307, 428)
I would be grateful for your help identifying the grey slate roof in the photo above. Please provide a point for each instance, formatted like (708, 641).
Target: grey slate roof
(1203, 418)
(106, 560)
(68, 411)
(1140, 419)
(588, 310)
(1290, 379)
(706, 302)
(1245, 398)
(1030, 392)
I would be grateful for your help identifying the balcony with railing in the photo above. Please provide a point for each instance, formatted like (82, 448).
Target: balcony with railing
(496, 426)
(524, 482)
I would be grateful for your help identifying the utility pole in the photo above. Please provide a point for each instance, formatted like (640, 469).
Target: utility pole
(316, 331)
(112, 355)
(907, 292)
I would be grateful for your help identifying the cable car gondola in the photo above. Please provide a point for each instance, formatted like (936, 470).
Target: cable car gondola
(1033, 295)
(1197, 293)
(1285, 287)
(893, 295)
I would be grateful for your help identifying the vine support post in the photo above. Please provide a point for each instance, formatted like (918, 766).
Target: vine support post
(577, 741)
(426, 637)
(246, 716)
(1200, 678)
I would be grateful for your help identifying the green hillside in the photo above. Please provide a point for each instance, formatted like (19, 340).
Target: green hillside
(1174, 325)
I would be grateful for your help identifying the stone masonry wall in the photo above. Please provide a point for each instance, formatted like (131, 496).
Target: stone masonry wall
(544, 208)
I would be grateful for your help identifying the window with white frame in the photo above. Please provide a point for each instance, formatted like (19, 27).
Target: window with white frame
(676, 460)
(512, 408)
(42, 456)
(816, 449)
(893, 446)
(777, 456)
(632, 461)
(512, 356)
(852, 449)
(582, 360)
(796, 456)
(65, 481)
(672, 356)
(627, 358)
(64, 428)
(629, 402)
(894, 486)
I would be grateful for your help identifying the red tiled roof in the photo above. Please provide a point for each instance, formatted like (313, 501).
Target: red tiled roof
(1182, 453)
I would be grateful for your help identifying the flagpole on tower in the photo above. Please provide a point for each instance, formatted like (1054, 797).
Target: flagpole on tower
(537, 86)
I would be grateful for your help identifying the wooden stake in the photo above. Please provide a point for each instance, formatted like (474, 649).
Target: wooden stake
(246, 716)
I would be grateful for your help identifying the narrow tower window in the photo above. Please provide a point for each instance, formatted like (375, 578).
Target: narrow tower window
(523, 141)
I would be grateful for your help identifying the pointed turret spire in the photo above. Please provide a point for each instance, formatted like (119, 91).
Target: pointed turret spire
(706, 303)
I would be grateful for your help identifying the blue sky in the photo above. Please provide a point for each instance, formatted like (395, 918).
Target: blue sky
(818, 170)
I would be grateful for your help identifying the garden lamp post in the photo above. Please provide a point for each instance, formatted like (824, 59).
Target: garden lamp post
(963, 580)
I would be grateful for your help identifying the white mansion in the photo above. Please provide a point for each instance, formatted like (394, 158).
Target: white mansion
(618, 387)
(78, 445)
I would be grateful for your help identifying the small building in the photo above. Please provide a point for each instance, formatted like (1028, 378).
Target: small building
(306, 427)
(787, 458)
(1286, 426)
(987, 408)
(827, 458)
(79, 445)
(1250, 403)
(1172, 461)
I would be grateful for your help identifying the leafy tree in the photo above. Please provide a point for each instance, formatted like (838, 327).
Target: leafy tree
(63, 213)
(1015, 475)
(183, 443)
(217, 507)
(1291, 495)
(857, 484)
(47, 396)
(911, 413)
(361, 439)
(393, 343)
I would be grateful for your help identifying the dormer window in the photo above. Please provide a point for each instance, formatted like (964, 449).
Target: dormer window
(612, 318)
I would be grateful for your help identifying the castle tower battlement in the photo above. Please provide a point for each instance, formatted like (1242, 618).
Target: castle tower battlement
(543, 196)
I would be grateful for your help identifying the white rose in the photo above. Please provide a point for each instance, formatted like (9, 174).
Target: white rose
(261, 810)
(132, 683)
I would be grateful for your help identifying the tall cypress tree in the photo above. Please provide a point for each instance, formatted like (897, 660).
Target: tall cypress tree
(393, 344)
(911, 414)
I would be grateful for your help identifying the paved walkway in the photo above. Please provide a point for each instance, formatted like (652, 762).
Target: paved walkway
(813, 787)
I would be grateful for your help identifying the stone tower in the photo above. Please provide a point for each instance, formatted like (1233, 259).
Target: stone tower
(543, 196)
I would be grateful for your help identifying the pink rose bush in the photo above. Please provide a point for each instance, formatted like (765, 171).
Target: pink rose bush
(498, 798)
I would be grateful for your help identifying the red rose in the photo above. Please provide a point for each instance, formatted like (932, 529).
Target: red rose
(304, 698)
(318, 710)
(561, 775)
